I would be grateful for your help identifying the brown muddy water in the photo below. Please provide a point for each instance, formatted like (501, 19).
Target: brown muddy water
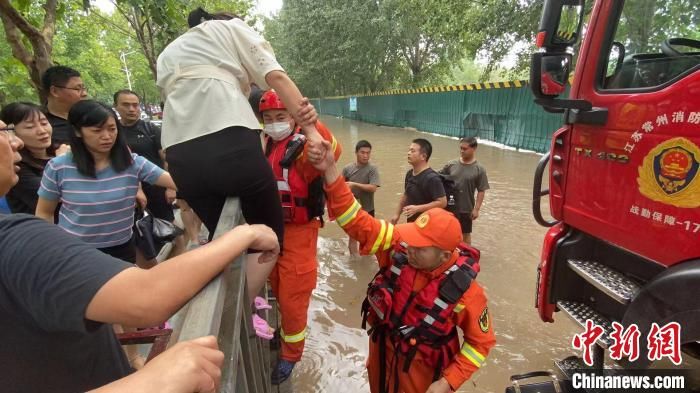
(509, 240)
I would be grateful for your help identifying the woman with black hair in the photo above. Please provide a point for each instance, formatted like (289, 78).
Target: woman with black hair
(33, 128)
(97, 181)
(209, 128)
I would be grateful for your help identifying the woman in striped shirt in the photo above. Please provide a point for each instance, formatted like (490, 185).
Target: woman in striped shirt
(97, 182)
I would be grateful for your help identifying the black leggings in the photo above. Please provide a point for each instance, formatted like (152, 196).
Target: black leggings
(227, 163)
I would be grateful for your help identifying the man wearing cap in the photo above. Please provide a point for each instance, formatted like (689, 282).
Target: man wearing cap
(421, 351)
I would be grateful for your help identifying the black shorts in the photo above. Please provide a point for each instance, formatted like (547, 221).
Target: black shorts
(465, 221)
(157, 203)
(126, 252)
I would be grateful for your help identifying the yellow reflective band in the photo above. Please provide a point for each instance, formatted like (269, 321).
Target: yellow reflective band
(349, 214)
(334, 144)
(294, 338)
(459, 307)
(389, 237)
(378, 241)
(472, 354)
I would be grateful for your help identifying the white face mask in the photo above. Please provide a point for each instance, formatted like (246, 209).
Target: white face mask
(278, 131)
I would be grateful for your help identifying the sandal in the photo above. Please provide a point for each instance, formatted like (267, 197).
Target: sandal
(261, 304)
(262, 329)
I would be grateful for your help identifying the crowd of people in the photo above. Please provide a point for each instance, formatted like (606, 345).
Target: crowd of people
(78, 173)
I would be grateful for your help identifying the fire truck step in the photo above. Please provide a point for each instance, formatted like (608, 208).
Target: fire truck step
(573, 364)
(580, 312)
(611, 282)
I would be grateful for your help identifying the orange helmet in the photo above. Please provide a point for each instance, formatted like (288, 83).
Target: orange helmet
(270, 100)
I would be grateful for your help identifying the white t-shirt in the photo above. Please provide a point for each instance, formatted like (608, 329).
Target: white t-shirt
(205, 76)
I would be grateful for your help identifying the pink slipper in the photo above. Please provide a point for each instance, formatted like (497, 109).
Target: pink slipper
(262, 329)
(261, 304)
(165, 325)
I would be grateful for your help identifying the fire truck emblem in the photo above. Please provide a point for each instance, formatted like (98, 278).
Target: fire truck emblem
(669, 171)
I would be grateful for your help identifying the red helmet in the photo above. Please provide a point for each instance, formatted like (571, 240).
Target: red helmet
(270, 100)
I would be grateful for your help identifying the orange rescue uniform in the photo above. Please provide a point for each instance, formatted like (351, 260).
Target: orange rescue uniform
(471, 313)
(294, 276)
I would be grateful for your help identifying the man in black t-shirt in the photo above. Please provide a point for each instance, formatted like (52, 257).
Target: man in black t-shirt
(63, 87)
(59, 297)
(423, 189)
(143, 139)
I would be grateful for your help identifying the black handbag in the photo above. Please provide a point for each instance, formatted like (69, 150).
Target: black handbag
(552, 385)
(151, 234)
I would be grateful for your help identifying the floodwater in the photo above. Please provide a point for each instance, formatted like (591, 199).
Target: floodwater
(509, 240)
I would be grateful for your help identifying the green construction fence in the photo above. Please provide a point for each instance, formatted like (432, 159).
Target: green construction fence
(502, 112)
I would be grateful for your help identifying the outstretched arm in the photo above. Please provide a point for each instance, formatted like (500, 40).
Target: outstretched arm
(303, 112)
(138, 297)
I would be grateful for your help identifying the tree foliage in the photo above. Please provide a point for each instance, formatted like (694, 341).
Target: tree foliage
(41, 33)
(153, 24)
(30, 34)
(329, 47)
(336, 48)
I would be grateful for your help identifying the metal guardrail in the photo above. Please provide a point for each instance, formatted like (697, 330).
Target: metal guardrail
(222, 309)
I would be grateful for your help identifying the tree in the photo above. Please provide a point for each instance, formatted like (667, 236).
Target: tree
(429, 35)
(154, 24)
(31, 44)
(331, 48)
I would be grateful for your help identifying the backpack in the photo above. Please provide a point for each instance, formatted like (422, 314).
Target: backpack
(451, 193)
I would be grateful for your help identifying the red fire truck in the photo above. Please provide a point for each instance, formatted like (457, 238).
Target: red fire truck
(624, 169)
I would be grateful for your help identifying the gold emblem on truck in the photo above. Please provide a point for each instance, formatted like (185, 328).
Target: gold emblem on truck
(669, 171)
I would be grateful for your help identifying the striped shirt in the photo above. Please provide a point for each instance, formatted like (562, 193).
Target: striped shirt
(100, 210)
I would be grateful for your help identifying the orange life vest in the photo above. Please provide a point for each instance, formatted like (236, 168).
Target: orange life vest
(418, 321)
(301, 201)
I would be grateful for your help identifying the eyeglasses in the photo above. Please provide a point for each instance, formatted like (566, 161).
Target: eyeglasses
(77, 88)
(9, 131)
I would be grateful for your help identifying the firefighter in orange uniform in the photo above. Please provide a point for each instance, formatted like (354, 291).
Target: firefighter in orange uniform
(301, 193)
(424, 290)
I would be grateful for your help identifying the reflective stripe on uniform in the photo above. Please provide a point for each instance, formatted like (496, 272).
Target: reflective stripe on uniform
(379, 238)
(459, 307)
(389, 237)
(334, 143)
(349, 214)
(440, 303)
(293, 338)
(282, 185)
(472, 354)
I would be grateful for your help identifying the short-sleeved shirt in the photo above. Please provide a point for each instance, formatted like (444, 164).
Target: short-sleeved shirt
(144, 139)
(47, 280)
(468, 178)
(22, 198)
(365, 174)
(61, 129)
(423, 188)
(202, 106)
(100, 210)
